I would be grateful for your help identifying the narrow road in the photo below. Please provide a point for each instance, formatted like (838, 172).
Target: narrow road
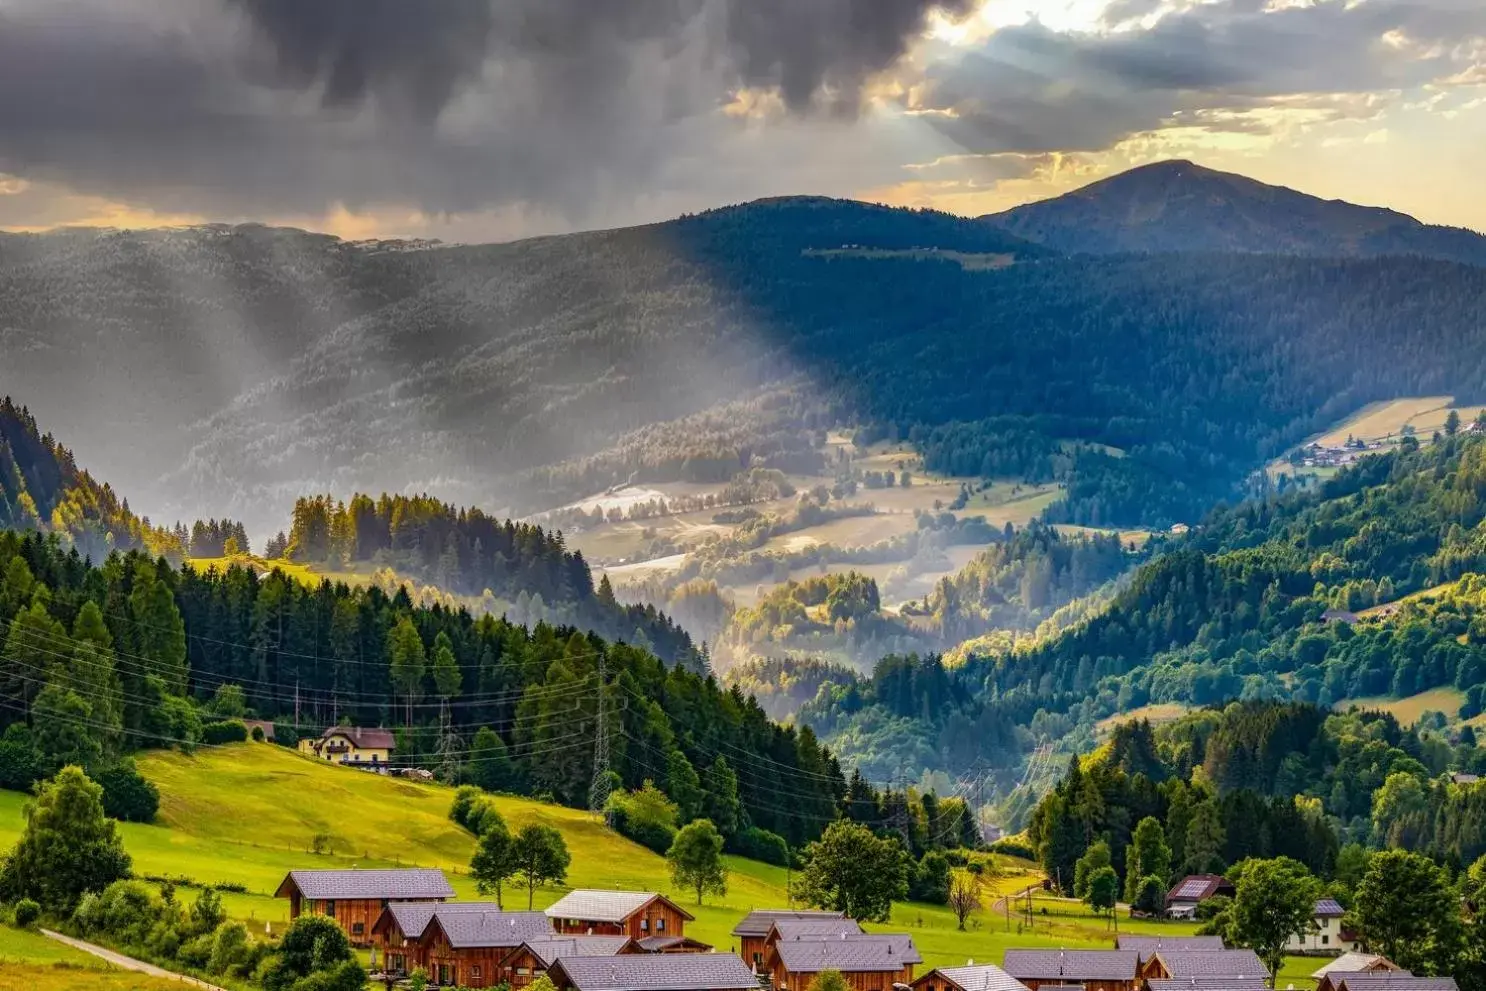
(127, 963)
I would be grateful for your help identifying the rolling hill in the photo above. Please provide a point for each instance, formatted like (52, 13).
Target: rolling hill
(1181, 206)
(246, 814)
(227, 370)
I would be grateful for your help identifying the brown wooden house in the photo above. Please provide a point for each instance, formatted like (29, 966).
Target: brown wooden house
(985, 977)
(355, 899)
(752, 931)
(868, 961)
(636, 914)
(405, 935)
(1095, 970)
(653, 972)
(535, 957)
(468, 948)
(1182, 964)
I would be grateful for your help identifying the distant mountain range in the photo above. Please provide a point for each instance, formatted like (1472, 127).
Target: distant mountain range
(1179, 206)
(225, 370)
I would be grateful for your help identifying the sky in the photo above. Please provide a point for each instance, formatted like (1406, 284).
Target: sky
(482, 120)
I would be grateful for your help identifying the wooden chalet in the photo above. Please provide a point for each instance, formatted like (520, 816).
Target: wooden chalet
(636, 914)
(653, 972)
(355, 899)
(535, 957)
(1355, 963)
(1206, 984)
(868, 961)
(672, 944)
(1384, 980)
(971, 977)
(1184, 897)
(1094, 970)
(1182, 964)
(752, 931)
(410, 939)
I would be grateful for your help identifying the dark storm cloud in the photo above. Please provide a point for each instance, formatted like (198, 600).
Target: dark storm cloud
(1030, 89)
(255, 107)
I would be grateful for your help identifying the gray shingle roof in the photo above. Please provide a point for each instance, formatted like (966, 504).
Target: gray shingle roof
(1147, 945)
(595, 905)
(1212, 963)
(1077, 965)
(984, 977)
(1208, 984)
(758, 923)
(1392, 981)
(1355, 963)
(398, 885)
(809, 928)
(466, 926)
(658, 944)
(365, 738)
(549, 950)
(657, 972)
(860, 952)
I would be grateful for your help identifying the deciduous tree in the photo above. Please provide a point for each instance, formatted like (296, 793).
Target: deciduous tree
(696, 859)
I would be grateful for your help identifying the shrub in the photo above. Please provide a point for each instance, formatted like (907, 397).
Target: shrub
(646, 816)
(285, 735)
(164, 940)
(127, 795)
(931, 880)
(760, 844)
(27, 912)
(652, 835)
(20, 761)
(258, 736)
(230, 949)
(207, 912)
(1014, 848)
(465, 800)
(196, 952)
(224, 731)
(484, 816)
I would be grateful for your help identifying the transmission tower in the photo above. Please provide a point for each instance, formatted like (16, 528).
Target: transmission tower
(598, 792)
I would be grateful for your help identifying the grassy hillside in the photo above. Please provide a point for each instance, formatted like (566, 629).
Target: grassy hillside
(248, 813)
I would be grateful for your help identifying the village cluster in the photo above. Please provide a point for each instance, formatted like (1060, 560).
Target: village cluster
(600, 940)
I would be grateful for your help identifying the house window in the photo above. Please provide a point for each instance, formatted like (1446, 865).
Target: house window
(644, 925)
(1325, 939)
(357, 928)
(475, 971)
(758, 958)
(330, 909)
(660, 925)
(523, 971)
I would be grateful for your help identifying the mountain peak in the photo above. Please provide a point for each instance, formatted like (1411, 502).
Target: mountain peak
(1179, 205)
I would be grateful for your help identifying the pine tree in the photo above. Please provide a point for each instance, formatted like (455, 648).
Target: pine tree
(407, 664)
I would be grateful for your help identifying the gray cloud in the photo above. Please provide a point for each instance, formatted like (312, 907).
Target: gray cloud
(566, 107)
(1030, 89)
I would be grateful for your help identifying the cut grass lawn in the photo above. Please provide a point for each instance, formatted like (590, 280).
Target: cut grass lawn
(248, 813)
(30, 976)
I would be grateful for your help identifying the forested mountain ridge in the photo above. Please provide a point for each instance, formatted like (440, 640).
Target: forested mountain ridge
(1181, 206)
(1238, 609)
(505, 375)
(42, 487)
(99, 661)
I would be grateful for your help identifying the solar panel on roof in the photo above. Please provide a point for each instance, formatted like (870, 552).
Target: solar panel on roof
(1192, 888)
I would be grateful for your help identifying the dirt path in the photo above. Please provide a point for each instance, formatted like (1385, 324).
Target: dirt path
(127, 963)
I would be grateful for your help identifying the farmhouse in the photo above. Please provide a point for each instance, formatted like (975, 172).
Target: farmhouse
(369, 749)
(753, 930)
(410, 940)
(535, 957)
(1096, 970)
(1327, 936)
(970, 977)
(1184, 964)
(1390, 980)
(1184, 896)
(636, 914)
(868, 961)
(355, 899)
(653, 972)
